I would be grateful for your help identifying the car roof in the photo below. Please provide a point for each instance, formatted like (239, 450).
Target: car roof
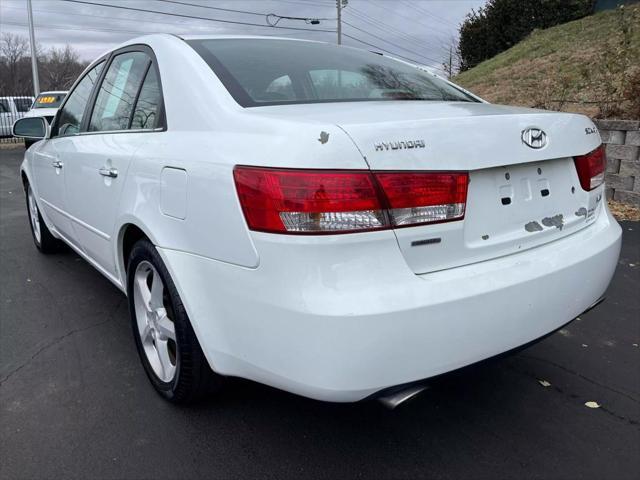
(254, 37)
(53, 92)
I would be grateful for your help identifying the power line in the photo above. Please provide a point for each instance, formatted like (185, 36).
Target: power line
(268, 16)
(137, 21)
(120, 19)
(385, 26)
(415, 6)
(387, 29)
(387, 51)
(49, 26)
(413, 19)
(68, 27)
(181, 15)
(246, 12)
(308, 4)
(390, 43)
(222, 21)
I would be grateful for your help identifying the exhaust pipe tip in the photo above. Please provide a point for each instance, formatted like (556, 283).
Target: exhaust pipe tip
(398, 397)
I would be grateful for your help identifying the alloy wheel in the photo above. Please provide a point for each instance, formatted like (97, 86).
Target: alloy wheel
(155, 327)
(33, 215)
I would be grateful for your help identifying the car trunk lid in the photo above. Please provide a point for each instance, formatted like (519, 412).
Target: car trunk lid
(518, 197)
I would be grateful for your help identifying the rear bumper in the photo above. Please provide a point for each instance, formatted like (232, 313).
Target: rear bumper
(341, 322)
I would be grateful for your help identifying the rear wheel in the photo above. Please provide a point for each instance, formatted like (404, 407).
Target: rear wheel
(42, 237)
(166, 342)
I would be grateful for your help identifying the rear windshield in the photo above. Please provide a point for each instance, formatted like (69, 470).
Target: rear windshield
(49, 100)
(278, 72)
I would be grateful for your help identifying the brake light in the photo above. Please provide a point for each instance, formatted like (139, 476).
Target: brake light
(340, 201)
(424, 197)
(591, 168)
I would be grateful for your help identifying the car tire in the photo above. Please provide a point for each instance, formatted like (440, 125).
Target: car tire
(42, 237)
(167, 345)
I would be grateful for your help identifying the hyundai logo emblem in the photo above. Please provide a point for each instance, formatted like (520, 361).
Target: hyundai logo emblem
(534, 138)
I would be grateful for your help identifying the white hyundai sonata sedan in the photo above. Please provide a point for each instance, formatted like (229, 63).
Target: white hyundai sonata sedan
(325, 220)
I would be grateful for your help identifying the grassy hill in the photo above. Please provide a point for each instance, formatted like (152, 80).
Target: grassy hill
(591, 66)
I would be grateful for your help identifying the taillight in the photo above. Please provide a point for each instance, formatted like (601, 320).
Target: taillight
(424, 197)
(340, 201)
(591, 168)
(308, 201)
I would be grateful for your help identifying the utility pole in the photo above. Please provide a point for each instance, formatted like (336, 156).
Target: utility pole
(340, 4)
(34, 60)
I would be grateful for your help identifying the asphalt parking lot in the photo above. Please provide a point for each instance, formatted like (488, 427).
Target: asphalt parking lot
(75, 402)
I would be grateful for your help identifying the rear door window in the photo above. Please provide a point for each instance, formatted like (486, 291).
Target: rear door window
(116, 98)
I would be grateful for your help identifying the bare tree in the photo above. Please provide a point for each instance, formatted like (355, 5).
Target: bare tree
(13, 49)
(58, 67)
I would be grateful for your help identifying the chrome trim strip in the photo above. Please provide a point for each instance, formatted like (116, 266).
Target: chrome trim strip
(107, 132)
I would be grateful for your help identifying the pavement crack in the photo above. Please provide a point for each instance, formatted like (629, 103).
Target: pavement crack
(577, 374)
(628, 420)
(59, 339)
(619, 417)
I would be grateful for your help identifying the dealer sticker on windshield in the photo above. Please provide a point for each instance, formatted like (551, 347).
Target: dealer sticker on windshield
(47, 100)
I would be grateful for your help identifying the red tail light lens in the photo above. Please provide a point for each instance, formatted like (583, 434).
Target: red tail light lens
(591, 168)
(424, 197)
(308, 201)
(341, 201)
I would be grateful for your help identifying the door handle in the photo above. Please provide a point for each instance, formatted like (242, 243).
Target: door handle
(57, 164)
(109, 172)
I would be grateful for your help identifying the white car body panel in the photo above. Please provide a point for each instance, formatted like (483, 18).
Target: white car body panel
(41, 112)
(335, 317)
(48, 183)
(94, 222)
(349, 319)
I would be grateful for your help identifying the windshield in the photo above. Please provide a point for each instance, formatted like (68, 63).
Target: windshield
(278, 72)
(49, 100)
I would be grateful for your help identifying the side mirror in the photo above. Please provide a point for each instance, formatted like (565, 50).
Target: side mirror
(32, 128)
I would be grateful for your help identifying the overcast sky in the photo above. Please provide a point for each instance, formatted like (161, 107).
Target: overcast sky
(419, 30)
